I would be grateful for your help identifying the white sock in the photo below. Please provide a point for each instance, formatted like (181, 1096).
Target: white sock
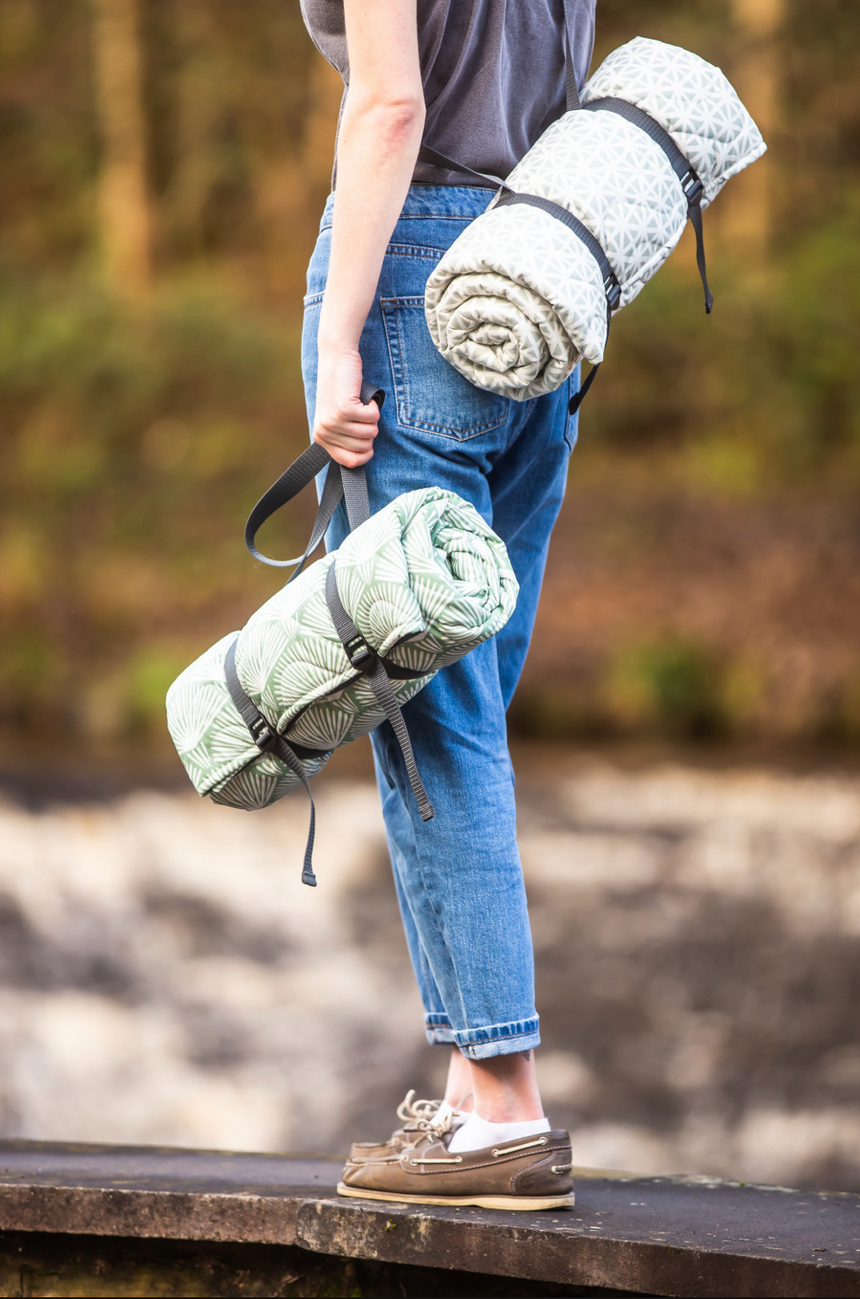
(477, 1134)
(446, 1111)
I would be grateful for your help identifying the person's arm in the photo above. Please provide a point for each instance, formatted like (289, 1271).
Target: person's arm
(380, 134)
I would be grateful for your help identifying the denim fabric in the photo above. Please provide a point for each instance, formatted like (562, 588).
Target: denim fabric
(458, 877)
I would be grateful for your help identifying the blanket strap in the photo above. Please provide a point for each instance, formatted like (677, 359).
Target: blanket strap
(611, 286)
(268, 740)
(691, 183)
(349, 485)
(366, 661)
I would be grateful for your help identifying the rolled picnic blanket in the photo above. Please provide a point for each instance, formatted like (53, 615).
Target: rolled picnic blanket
(424, 580)
(518, 298)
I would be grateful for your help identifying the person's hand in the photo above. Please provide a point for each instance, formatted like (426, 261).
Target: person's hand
(342, 423)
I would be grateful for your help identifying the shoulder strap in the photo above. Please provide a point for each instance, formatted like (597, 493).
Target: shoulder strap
(571, 100)
(571, 90)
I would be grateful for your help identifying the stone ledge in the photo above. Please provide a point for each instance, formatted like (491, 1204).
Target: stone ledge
(657, 1236)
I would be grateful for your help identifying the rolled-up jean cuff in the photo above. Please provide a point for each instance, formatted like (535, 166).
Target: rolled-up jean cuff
(498, 1039)
(438, 1029)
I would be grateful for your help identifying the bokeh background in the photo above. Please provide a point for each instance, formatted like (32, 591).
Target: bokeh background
(687, 732)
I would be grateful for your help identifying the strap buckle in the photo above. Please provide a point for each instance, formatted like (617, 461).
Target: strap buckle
(613, 294)
(360, 654)
(262, 734)
(693, 188)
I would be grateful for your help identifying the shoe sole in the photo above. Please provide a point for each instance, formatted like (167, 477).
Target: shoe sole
(518, 1202)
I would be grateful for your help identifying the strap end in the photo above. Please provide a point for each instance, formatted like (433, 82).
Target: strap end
(427, 812)
(309, 878)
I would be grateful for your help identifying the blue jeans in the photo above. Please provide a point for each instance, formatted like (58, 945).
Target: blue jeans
(458, 877)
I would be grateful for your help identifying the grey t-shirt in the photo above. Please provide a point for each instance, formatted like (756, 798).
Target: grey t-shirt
(493, 73)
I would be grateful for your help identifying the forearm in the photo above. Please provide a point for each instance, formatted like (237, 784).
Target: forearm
(377, 149)
(380, 134)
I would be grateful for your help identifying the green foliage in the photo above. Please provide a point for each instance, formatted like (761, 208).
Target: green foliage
(667, 685)
(135, 440)
(766, 388)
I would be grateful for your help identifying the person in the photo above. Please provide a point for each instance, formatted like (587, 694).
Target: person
(478, 81)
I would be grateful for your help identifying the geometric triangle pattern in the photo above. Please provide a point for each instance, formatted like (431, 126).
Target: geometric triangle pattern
(518, 300)
(425, 580)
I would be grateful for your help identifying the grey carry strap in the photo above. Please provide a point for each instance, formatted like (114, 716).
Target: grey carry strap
(349, 485)
(571, 90)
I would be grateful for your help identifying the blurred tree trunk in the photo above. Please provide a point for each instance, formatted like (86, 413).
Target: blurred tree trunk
(750, 216)
(124, 208)
(197, 121)
(291, 179)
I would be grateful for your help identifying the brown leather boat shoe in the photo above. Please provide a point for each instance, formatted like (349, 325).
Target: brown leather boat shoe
(531, 1173)
(415, 1115)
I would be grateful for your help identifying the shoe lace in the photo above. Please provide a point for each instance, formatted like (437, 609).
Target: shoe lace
(415, 1111)
(434, 1129)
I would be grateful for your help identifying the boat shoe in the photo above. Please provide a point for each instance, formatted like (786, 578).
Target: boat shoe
(412, 1113)
(526, 1173)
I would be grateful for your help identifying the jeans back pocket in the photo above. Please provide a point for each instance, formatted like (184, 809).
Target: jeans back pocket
(430, 394)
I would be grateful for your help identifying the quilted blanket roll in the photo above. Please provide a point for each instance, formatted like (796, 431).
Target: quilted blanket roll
(517, 299)
(425, 580)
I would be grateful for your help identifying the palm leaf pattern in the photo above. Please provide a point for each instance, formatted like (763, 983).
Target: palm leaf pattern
(425, 579)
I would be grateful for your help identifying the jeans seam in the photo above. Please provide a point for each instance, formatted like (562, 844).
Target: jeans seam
(425, 216)
(486, 1033)
(414, 250)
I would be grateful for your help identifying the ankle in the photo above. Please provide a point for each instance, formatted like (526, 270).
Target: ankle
(462, 1104)
(509, 1109)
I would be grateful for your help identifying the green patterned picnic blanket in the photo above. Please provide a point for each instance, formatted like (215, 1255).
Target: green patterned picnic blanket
(425, 580)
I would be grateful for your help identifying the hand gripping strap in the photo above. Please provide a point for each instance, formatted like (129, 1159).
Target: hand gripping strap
(691, 183)
(340, 483)
(268, 740)
(365, 660)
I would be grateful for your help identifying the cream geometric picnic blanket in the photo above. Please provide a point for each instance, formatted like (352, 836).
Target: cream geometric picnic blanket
(518, 299)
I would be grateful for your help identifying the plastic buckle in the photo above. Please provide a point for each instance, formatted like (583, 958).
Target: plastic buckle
(263, 735)
(613, 295)
(693, 188)
(359, 653)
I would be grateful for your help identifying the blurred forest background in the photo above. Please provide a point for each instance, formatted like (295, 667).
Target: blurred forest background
(165, 164)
